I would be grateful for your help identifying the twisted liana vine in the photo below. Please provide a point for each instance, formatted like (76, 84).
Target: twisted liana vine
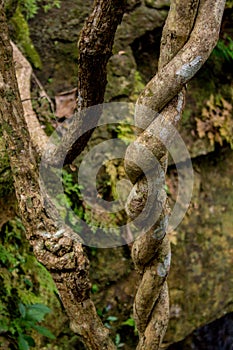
(187, 41)
(189, 36)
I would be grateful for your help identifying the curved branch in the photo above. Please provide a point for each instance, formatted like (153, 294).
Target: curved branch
(175, 74)
(186, 44)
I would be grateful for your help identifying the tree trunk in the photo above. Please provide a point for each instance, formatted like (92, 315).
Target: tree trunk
(54, 245)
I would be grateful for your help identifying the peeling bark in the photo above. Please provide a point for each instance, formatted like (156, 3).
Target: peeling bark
(23, 75)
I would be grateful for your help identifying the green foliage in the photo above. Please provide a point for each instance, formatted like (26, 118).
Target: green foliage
(118, 342)
(94, 288)
(125, 132)
(229, 4)
(29, 317)
(71, 198)
(30, 7)
(224, 49)
(6, 180)
(25, 10)
(22, 38)
(138, 86)
(70, 187)
(22, 279)
(129, 322)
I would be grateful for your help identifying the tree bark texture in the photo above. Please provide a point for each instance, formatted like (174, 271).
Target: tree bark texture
(95, 49)
(189, 36)
(54, 244)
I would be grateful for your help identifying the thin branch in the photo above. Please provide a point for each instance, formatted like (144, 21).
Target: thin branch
(95, 49)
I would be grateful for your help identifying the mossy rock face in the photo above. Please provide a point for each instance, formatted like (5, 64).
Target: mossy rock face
(21, 35)
(121, 71)
(201, 279)
(55, 35)
(136, 23)
(158, 4)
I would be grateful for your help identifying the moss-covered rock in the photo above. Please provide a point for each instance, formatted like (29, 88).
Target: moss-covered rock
(121, 72)
(56, 33)
(157, 4)
(22, 37)
(201, 279)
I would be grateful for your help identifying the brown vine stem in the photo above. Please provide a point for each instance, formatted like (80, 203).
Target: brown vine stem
(95, 49)
(56, 246)
(190, 33)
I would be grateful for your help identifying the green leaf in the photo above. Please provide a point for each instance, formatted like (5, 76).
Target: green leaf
(22, 342)
(30, 340)
(22, 310)
(117, 339)
(28, 282)
(112, 318)
(3, 325)
(130, 322)
(44, 331)
(36, 312)
(99, 312)
(94, 288)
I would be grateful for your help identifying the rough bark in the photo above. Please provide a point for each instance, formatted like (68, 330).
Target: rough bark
(95, 49)
(174, 75)
(54, 245)
(190, 33)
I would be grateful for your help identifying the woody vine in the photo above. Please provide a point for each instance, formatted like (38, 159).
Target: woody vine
(189, 36)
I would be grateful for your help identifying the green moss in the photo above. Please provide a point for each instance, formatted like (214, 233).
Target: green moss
(121, 74)
(10, 95)
(6, 180)
(229, 4)
(22, 37)
(23, 281)
(157, 4)
(138, 86)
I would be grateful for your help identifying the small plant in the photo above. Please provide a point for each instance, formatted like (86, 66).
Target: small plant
(125, 132)
(224, 49)
(118, 342)
(216, 121)
(130, 323)
(29, 318)
(21, 304)
(229, 4)
(30, 7)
